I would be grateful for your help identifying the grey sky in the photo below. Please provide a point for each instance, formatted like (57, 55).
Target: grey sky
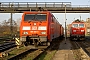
(61, 16)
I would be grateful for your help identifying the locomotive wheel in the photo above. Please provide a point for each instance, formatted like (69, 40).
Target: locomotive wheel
(26, 44)
(35, 44)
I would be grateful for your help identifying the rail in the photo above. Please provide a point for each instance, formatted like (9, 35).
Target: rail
(35, 4)
(55, 7)
(6, 46)
(83, 51)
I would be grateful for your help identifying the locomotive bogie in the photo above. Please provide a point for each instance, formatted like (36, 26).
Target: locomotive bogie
(77, 37)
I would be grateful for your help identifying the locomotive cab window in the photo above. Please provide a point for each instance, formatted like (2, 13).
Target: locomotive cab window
(75, 25)
(36, 17)
(81, 25)
(52, 20)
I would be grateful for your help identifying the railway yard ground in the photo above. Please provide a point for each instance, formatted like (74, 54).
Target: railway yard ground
(59, 50)
(64, 52)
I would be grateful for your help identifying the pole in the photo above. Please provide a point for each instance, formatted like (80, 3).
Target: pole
(80, 17)
(11, 25)
(11, 22)
(65, 24)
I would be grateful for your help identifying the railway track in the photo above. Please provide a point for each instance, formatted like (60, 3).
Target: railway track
(5, 40)
(80, 50)
(28, 54)
(85, 53)
(6, 47)
(50, 51)
(32, 53)
(22, 55)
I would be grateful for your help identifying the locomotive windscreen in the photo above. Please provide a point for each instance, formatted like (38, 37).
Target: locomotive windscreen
(78, 25)
(75, 25)
(36, 17)
(81, 25)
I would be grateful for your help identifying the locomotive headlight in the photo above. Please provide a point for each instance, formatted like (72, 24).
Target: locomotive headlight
(26, 28)
(74, 30)
(82, 30)
(25, 32)
(43, 32)
(42, 28)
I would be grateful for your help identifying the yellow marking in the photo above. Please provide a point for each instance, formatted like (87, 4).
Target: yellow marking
(17, 41)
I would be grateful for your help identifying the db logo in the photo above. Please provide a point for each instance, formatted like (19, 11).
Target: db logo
(34, 28)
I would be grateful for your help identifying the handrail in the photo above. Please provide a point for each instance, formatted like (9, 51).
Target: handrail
(34, 4)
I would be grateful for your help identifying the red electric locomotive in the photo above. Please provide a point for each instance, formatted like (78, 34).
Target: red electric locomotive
(77, 31)
(39, 27)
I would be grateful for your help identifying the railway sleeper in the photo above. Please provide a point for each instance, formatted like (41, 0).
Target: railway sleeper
(5, 53)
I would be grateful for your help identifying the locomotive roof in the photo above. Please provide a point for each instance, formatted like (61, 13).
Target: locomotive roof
(78, 21)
